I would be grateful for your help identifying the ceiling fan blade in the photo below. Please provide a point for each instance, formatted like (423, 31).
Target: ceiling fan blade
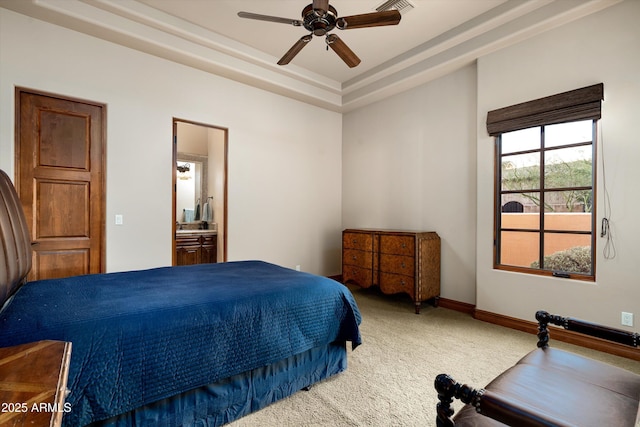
(343, 51)
(322, 5)
(249, 15)
(375, 19)
(295, 49)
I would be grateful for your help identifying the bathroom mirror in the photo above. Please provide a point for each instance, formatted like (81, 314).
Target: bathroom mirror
(191, 188)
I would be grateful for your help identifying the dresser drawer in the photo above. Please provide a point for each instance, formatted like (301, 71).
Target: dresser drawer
(363, 277)
(398, 264)
(398, 245)
(360, 241)
(358, 258)
(396, 283)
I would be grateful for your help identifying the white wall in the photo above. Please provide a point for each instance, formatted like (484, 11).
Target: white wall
(409, 164)
(604, 47)
(414, 161)
(284, 156)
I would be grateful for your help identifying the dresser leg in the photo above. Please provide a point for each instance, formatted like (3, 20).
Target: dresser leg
(418, 304)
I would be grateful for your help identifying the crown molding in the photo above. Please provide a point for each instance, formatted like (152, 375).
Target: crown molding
(137, 26)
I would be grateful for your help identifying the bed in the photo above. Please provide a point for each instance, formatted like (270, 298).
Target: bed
(194, 345)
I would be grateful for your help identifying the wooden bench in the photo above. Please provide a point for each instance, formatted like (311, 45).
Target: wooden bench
(550, 387)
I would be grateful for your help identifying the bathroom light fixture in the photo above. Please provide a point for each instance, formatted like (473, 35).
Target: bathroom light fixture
(184, 171)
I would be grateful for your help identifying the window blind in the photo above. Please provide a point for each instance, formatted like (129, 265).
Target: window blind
(578, 104)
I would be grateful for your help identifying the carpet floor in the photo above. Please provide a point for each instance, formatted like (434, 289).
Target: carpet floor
(389, 379)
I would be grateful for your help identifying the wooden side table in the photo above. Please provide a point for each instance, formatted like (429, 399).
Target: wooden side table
(33, 383)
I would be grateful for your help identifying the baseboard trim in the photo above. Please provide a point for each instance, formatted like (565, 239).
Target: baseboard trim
(557, 333)
(531, 327)
(456, 305)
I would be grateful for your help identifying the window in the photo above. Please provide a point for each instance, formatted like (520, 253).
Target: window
(545, 184)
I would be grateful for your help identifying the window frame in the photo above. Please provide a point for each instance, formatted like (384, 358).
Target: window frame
(572, 106)
(542, 189)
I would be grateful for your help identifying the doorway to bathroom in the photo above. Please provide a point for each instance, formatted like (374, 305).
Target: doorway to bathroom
(200, 192)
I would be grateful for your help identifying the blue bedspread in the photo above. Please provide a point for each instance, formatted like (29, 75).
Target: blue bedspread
(141, 336)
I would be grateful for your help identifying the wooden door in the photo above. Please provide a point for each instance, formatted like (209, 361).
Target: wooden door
(60, 181)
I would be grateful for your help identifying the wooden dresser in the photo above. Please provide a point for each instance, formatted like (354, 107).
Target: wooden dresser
(395, 261)
(33, 383)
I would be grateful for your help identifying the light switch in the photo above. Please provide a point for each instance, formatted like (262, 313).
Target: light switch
(118, 219)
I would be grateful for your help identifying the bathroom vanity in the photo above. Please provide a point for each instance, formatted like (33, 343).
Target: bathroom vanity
(196, 247)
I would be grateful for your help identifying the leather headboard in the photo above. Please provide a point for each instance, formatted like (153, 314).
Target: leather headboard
(15, 258)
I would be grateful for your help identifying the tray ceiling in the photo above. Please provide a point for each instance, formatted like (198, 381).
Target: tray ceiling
(434, 37)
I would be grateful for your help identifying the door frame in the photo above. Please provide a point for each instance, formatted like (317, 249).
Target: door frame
(19, 90)
(174, 143)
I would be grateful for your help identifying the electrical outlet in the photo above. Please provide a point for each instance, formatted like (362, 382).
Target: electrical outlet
(298, 267)
(119, 219)
(627, 319)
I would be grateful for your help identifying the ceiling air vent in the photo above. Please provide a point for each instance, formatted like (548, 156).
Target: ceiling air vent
(403, 6)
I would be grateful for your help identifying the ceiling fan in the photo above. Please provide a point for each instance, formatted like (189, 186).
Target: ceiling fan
(319, 18)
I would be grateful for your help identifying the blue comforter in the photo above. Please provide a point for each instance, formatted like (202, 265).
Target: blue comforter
(141, 336)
